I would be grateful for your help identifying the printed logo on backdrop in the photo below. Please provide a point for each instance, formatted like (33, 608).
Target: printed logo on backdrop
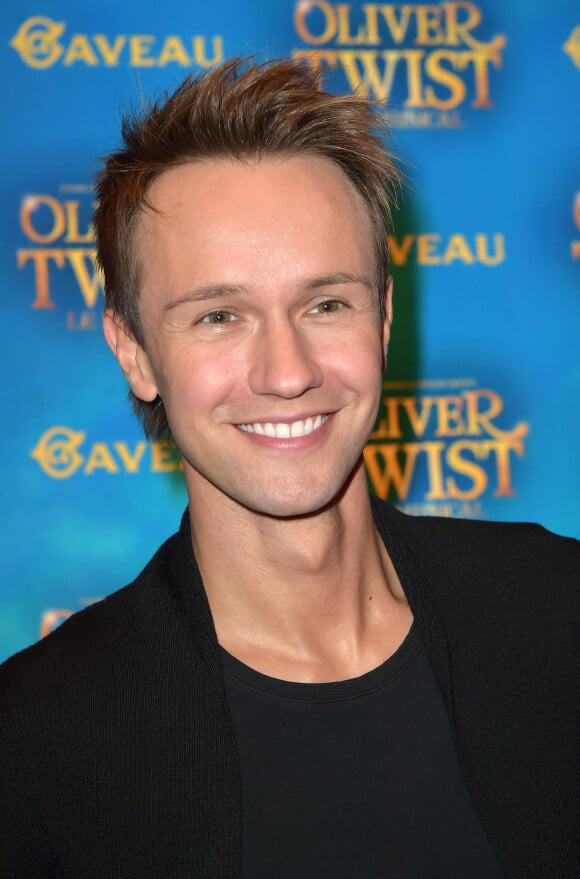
(439, 447)
(442, 448)
(42, 43)
(430, 62)
(52, 617)
(59, 258)
(432, 249)
(572, 46)
(575, 245)
(62, 452)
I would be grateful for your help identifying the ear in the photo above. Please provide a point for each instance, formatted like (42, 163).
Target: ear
(387, 319)
(132, 358)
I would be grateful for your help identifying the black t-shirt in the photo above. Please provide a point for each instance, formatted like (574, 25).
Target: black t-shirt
(353, 780)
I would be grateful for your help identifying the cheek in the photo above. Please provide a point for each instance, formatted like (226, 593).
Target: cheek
(198, 381)
(360, 361)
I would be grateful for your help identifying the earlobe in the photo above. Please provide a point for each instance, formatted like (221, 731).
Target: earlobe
(131, 357)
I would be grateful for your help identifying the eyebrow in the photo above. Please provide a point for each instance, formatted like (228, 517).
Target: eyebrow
(204, 294)
(219, 291)
(337, 279)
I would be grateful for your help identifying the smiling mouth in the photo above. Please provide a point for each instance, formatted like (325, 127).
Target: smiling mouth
(283, 429)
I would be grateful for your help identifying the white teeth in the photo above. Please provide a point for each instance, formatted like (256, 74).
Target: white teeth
(283, 430)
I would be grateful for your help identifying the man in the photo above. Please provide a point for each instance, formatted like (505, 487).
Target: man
(302, 682)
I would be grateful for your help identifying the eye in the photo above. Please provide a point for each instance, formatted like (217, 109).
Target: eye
(329, 306)
(217, 318)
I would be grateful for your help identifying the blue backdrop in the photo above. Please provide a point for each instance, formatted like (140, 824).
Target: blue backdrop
(480, 415)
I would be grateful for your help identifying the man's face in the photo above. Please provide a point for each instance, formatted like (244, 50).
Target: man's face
(260, 316)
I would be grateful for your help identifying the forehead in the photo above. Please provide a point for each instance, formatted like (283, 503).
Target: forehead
(242, 217)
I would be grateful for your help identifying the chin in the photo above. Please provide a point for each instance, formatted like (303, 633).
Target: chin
(288, 513)
(280, 507)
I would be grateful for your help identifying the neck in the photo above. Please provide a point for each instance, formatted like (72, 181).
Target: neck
(306, 599)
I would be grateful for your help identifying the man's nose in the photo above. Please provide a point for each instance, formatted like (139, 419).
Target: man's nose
(283, 361)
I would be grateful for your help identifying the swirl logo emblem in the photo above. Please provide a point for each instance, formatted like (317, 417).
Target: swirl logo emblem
(572, 46)
(576, 214)
(36, 41)
(57, 452)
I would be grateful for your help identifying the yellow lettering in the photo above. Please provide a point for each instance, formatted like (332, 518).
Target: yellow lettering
(345, 38)
(449, 420)
(327, 10)
(429, 32)
(199, 55)
(458, 248)
(385, 469)
(89, 284)
(426, 250)
(444, 77)
(164, 457)
(400, 252)
(84, 320)
(467, 468)
(110, 53)
(502, 454)
(392, 467)
(481, 422)
(73, 235)
(317, 58)
(100, 458)
(483, 251)
(575, 245)
(372, 23)
(80, 50)
(481, 78)
(397, 27)
(40, 258)
(389, 427)
(434, 453)
(131, 460)
(139, 49)
(29, 205)
(418, 410)
(459, 33)
(173, 50)
(413, 59)
(369, 80)
(481, 64)
(51, 619)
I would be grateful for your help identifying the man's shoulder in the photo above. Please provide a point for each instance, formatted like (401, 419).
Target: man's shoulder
(491, 541)
(501, 589)
(86, 646)
(494, 567)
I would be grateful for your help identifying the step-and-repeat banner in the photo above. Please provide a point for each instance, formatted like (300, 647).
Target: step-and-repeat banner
(481, 412)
